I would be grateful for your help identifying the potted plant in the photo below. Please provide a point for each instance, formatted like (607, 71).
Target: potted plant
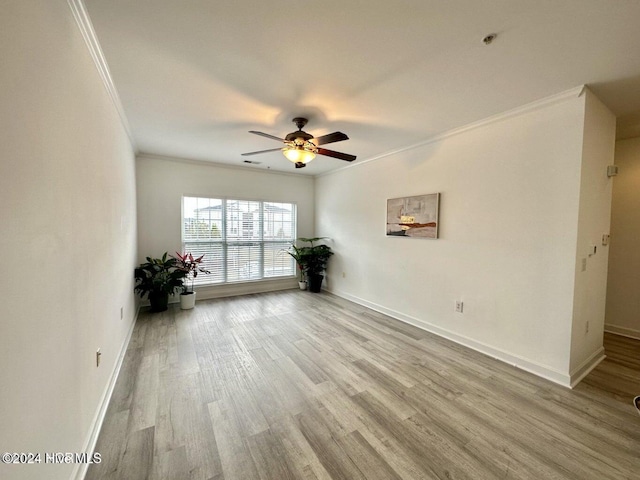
(190, 266)
(298, 255)
(315, 258)
(158, 278)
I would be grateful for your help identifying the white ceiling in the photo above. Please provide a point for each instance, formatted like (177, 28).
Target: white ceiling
(195, 75)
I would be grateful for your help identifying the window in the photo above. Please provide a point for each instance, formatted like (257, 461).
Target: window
(242, 240)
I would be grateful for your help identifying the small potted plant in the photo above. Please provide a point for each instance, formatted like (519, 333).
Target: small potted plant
(190, 266)
(158, 278)
(298, 255)
(316, 258)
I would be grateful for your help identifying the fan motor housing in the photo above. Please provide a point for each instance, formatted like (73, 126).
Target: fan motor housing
(304, 136)
(300, 134)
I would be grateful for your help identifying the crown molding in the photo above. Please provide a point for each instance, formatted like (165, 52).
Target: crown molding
(207, 163)
(89, 35)
(529, 107)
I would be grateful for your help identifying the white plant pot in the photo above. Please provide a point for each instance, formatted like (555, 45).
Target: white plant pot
(303, 285)
(187, 300)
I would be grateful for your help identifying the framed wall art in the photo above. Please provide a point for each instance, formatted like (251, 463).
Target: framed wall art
(415, 217)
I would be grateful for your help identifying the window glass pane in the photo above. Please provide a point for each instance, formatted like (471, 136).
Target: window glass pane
(243, 220)
(279, 223)
(277, 262)
(243, 262)
(202, 219)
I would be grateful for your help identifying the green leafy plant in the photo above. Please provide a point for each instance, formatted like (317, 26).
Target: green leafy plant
(298, 255)
(312, 259)
(158, 278)
(315, 257)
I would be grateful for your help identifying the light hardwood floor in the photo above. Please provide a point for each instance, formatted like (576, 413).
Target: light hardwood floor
(294, 385)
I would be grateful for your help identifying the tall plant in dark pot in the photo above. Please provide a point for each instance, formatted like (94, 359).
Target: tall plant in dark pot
(158, 278)
(316, 257)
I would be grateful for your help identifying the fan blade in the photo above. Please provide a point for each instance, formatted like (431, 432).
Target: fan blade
(262, 134)
(261, 151)
(331, 138)
(331, 153)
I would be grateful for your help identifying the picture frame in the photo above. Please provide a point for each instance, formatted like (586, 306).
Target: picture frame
(413, 217)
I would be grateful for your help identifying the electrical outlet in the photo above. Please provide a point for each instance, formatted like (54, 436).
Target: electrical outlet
(98, 355)
(459, 306)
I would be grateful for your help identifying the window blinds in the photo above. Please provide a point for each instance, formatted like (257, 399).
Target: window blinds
(242, 240)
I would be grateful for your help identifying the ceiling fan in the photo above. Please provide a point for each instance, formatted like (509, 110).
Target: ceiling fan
(302, 147)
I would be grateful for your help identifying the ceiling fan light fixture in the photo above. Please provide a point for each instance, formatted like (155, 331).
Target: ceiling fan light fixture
(300, 151)
(298, 154)
(301, 147)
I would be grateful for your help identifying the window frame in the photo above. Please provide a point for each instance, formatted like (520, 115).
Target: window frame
(225, 242)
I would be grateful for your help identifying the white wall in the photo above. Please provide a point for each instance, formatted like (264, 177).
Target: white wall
(594, 221)
(68, 236)
(510, 192)
(163, 181)
(623, 289)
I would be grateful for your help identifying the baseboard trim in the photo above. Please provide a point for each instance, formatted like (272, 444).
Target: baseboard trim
(210, 292)
(496, 353)
(585, 368)
(622, 331)
(245, 288)
(81, 469)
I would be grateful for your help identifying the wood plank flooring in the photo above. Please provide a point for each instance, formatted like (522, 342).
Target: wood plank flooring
(294, 385)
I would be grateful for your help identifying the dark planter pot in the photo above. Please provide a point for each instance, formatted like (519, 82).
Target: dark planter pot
(159, 301)
(315, 282)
